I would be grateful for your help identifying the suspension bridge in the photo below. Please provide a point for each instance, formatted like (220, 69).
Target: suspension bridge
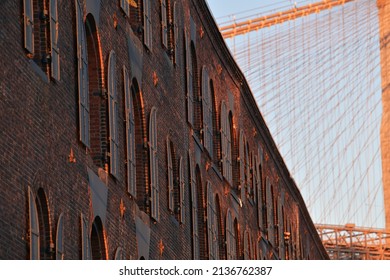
(318, 72)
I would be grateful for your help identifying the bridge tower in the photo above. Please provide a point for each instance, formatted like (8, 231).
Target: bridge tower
(384, 34)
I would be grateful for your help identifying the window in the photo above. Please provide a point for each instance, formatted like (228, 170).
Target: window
(82, 76)
(55, 53)
(98, 244)
(130, 136)
(125, 7)
(194, 209)
(265, 194)
(171, 200)
(207, 112)
(241, 159)
(85, 240)
(147, 24)
(212, 223)
(154, 196)
(34, 226)
(140, 166)
(176, 32)
(41, 35)
(113, 115)
(189, 79)
(45, 250)
(164, 22)
(182, 190)
(230, 237)
(119, 254)
(259, 183)
(226, 143)
(202, 223)
(28, 25)
(276, 218)
(247, 245)
(60, 238)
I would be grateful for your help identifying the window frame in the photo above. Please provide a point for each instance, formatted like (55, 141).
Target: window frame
(82, 58)
(28, 25)
(194, 208)
(55, 52)
(182, 190)
(154, 187)
(113, 115)
(33, 227)
(130, 136)
(60, 238)
(147, 24)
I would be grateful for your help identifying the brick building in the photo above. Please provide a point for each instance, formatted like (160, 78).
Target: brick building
(128, 131)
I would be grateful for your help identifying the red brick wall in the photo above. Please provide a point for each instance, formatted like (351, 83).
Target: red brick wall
(39, 127)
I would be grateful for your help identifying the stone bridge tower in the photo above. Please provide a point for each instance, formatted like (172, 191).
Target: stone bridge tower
(384, 29)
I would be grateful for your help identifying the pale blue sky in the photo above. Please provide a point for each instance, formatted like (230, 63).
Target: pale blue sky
(353, 193)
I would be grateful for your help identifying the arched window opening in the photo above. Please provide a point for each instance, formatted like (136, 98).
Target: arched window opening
(98, 246)
(231, 246)
(46, 247)
(98, 107)
(153, 168)
(216, 138)
(238, 240)
(194, 207)
(220, 229)
(140, 146)
(197, 95)
(202, 227)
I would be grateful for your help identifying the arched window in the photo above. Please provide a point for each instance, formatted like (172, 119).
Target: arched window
(247, 246)
(164, 22)
(276, 226)
(138, 162)
(212, 223)
(34, 226)
(147, 15)
(238, 240)
(86, 253)
(113, 115)
(46, 252)
(226, 143)
(130, 136)
(207, 109)
(176, 32)
(194, 208)
(202, 226)
(154, 187)
(98, 245)
(82, 58)
(182, 191)
(241, 160)
(189, 79)
(230, 237)
(172, 177)
(60, 238)
(216, 140)
(220, 229)
(197, 95)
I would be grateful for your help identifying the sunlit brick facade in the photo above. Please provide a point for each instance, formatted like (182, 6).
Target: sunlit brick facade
(128, 131)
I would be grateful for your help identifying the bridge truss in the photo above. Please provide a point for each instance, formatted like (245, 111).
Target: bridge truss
(355, 243)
